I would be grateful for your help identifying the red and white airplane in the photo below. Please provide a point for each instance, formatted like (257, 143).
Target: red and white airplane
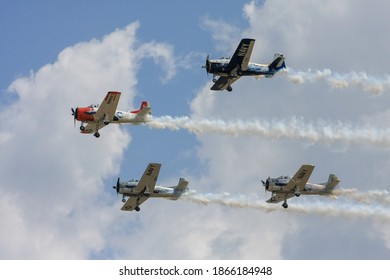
(98, 116)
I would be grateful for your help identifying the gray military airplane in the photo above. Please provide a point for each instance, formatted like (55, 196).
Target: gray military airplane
(140, 190)
(230, 70)
(284, 187)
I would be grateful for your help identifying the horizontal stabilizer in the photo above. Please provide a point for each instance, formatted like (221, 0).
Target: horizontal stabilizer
(278, 62)
(333, 181)
(145, 109)
(182, 186)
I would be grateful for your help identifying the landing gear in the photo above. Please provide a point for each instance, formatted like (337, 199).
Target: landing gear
(285, 205)
(106, 122)
(297, 193)
(123, 200)
(229, 89)
(96, 134)
(82, 127)
(137, 208)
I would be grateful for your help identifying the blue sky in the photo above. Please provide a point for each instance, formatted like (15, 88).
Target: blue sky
(37, 32)
(330, 110)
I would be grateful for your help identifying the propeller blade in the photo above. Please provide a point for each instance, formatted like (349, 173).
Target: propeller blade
(117, 187)
(207, 65)
(74, 114)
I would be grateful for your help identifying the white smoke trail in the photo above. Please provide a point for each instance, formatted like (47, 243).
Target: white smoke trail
(329, 209)
(226, 199)
(371, 197)
(294, 128)
(336, 80)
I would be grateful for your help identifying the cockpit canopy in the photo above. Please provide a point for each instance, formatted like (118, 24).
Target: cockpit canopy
(132, 183)
(283, 178)
(93, 106)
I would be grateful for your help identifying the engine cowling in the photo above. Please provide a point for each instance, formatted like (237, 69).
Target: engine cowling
(85, 114)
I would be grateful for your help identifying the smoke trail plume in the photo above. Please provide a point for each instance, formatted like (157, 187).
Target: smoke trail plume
(373, 197)
(328, 209)
(336, 80)
(294, 128)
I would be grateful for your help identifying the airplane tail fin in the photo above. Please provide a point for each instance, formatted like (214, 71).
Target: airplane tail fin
(145, 109)
(182, 185)
(278, 62)
(333, 181)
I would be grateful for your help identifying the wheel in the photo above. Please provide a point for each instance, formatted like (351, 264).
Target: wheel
(285, 205)
(106, 122)
(82, 128)
(137, 208)
(297, 194)
(97, 134)
(229, 88)
(123, 200)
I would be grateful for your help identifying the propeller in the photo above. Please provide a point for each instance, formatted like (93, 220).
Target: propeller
(116, 187)
(266, 186)
(207, 64)
(265, 190)
(74, 114)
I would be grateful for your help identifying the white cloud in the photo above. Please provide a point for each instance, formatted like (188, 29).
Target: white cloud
(53, 200)
(223, 33)
(326, 35)
(162, 54)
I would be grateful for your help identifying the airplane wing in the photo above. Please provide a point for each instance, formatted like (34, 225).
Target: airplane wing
(106, 111)
(223, 82)
(108, 107)
(300, 178)
(149, 178)
(144, 187)
(132, 202)
(93, 127)
(278, 197)
(241, 56)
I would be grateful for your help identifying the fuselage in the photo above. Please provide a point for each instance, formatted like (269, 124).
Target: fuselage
(127, 189)
(219, 67)
(87, 115)
(279, 185)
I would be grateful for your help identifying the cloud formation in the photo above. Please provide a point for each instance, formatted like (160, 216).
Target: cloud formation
(52, 196)
(326, 35)
(54, 201)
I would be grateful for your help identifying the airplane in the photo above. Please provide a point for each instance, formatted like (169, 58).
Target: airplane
(284, 187)
(98, 116)
(140, 190)
(230, 70)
